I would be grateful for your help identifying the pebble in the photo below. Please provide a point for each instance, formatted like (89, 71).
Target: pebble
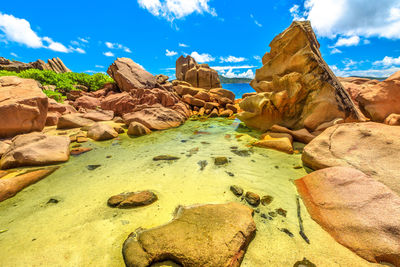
(266, 200)
(252, 198)
(236, 190)
(220, 161)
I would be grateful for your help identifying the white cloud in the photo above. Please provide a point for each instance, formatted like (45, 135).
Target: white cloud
(202, 58)
(19, 30)
(388, 61)
(354, 17)
(83, 40)
(117, 46)
(108, 54)
(348, 41)
(365, 73)
(170, 53)
(176, 9)
(249, 74)
(232, 59)
(255, 21)
(295, 13)
(335, 51)
(99, 66)
(224, 68)
(13, 54)
(78, 49)
(183, 45)
(257, 58)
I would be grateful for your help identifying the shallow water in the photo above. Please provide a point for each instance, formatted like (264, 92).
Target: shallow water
(238, 88)
(81, 230)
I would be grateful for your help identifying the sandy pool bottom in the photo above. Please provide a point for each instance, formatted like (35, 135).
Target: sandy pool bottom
(81, 230)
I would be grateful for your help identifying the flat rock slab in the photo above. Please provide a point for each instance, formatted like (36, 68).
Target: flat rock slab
(361, 213)
(372, 148)
(205, 235)
(132, 199)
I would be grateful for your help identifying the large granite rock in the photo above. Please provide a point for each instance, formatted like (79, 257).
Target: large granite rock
(296, 89)
(54, 64)
(75, 120)
(372, 148)
(205, 235)
(11, 186)
(377, 100)
(198, 75)
(35, 149)
(361, 213)
(101, 132)
(129, 75)
(23, 106)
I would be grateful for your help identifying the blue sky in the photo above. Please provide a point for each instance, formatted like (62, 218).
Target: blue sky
(357, 37)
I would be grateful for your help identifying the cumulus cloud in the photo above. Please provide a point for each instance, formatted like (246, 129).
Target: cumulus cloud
(170, 53)
(335, 51)
(176, 9)
(232, 59)
(83, 40)
(249, 74)
(388, 61)
(255, 21)
(379, 73)
(117, 46)
(20, 31)
(108, 54)
(348, 41)
(331, 18)
(13, 54)
(224, 68)
(183, 45)
(202, 58)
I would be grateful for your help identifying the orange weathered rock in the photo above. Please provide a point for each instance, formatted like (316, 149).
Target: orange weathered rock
(296, 88)
(361, 213)
(23, 106)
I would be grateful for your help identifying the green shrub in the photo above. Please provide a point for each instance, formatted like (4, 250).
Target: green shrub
(57, 96)
(63, 81)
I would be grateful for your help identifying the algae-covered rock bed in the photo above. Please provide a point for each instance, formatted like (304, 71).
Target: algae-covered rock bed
(64, 220)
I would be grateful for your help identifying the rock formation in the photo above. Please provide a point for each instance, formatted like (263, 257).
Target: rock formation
(377, 100)
(359, 212)
(23, 106)
(204, 235)
(35, 149)
(54, 64)
(295, 86)
(372, 148)
(197, 75)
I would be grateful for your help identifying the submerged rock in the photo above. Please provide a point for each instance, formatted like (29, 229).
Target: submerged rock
(266, 200)
(11, 186)
(132, 199)
(138, 129)
(165, 157)
(236, 190)
(304, 263)
(35, 149)
(295, 87)
(202, 164)
(361, 213)
(220, 161)
(281, 144)
(93, 167)
(79, 150)
(252, 198)
(186, 239)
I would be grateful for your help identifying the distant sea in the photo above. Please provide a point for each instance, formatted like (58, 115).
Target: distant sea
(238, 88)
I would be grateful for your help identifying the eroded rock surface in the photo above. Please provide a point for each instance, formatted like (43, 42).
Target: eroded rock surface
(295, 86)
(23, 106)
(35, 149)
(54, 64)
(359, 212)
(206, 235)
(370, 147)
(132, 199)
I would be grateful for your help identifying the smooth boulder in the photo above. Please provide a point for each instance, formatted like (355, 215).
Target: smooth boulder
(101, 132)
(370, 147)
(23, 106)
(361, 213)
(35, 149)
(201, 235)
(156, 118)
(137, 129)
(69, 121)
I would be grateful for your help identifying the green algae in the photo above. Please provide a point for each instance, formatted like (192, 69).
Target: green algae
(81, 230)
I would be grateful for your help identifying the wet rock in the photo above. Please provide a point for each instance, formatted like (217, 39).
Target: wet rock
(202, 164)
(220, 161)
(231, 174)
(286, 231)
(119, 129)
(226, 113)
(3, 147)
(193, 151)
(165, 157)
(53, 201)
(241, 153)
(132, 199)
(266, 200)
(281, 212)
(35, 149)
(236, 190)
(281, 144)
(186, 239)
(11, 186)
(81, 139)
(69, 121)
(272, 214)
(118, 120)
(252, 198)
(79, 150)
(138, 129)
(92, 167)
(304, 263)
(101, 132)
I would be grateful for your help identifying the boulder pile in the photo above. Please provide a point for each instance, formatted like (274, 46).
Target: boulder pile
(54, 64)
(295, 87)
